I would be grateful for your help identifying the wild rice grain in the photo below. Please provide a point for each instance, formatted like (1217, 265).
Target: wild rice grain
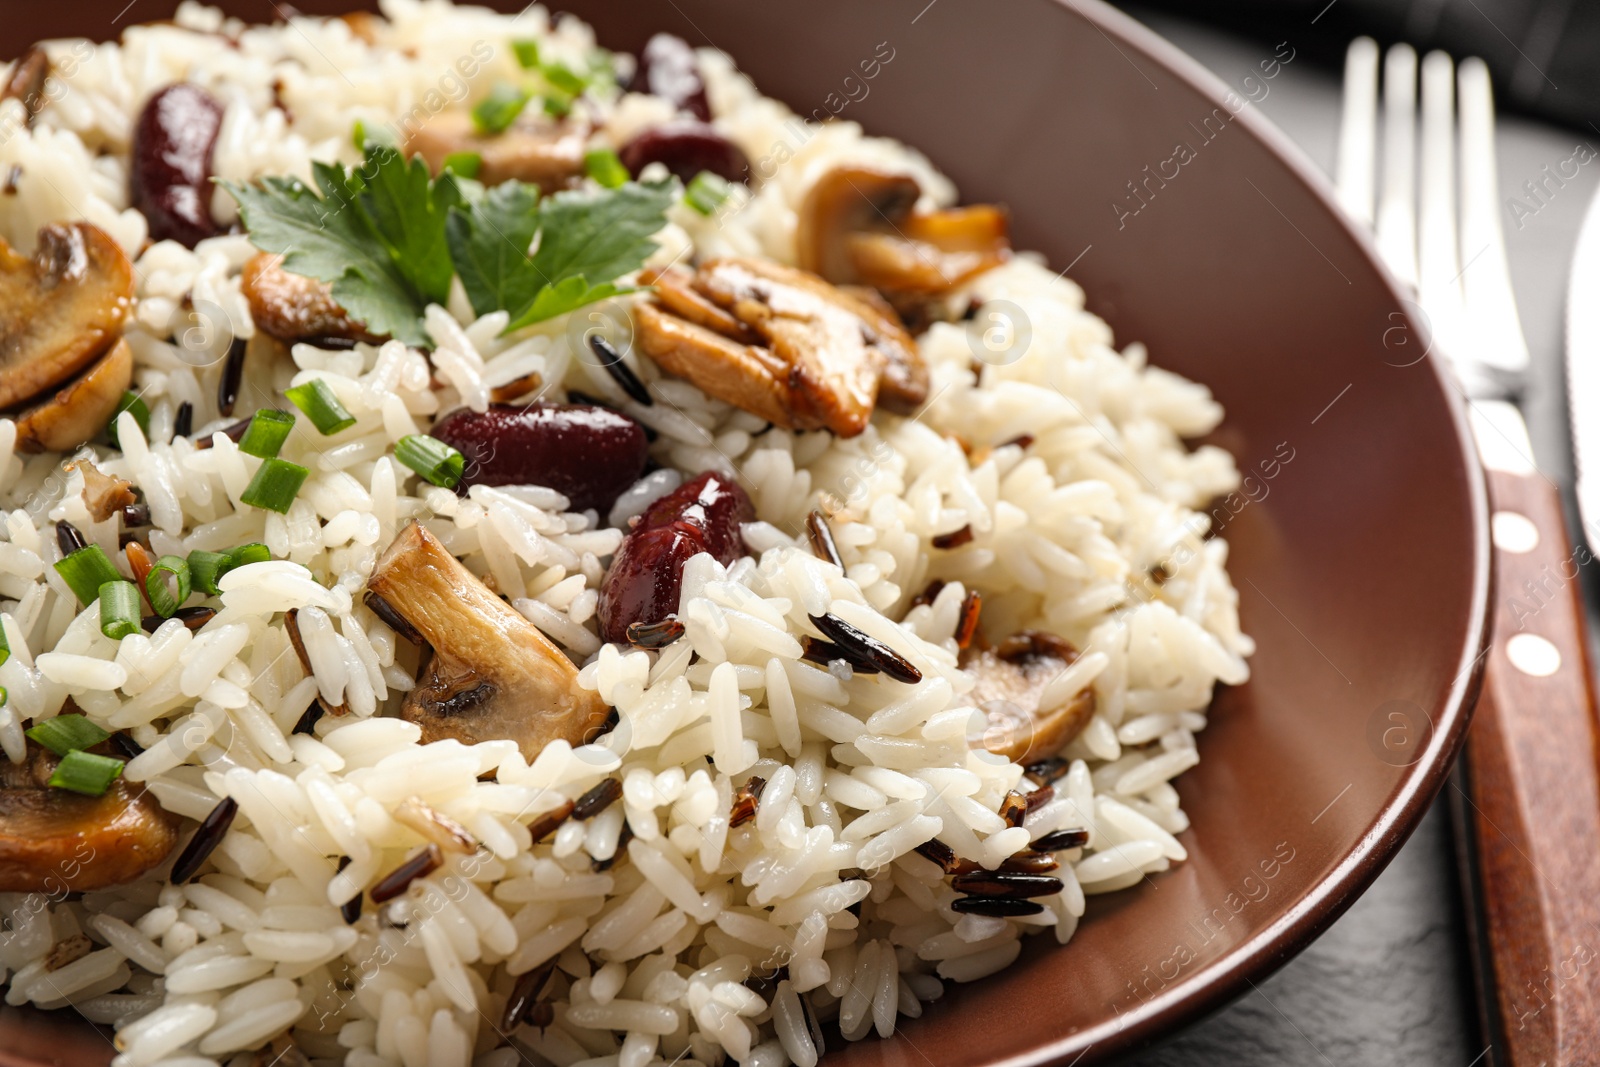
(822, 652)
(821, 536)
(954, 539)
(967, 626)
(232, 376)
(350, 910)
(183, 421)
(867, 648)
(746, 801)
(307, 723)
(546, 824)
(524, 995)
(1006, 884)
(399, 880)
(620, 372)
(205, 840)
(1013, 807)
(1061, 840)
(1000, 906)
(234, 432)
(597, 799)
(1031, 862)
(654, 634)
(69, 538)
(194, 618)
(392, 618)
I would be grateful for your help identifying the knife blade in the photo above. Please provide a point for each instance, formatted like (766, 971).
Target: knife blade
(1583, 368)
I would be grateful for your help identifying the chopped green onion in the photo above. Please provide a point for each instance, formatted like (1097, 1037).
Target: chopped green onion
(527, 53)
(86, 773)
(254, 552)
(557, 104)
(268, 430)
(321, 407)
(430, 457)
(64, 733)
(155, 585)
(604, 167)
(275, 485)
(119, 611)
(706, 192)
(500, 108)
(4, 696)
(564, 78)
(141, 414)
(5, 647)
(207, 568)
(464, 164)
(85, 571)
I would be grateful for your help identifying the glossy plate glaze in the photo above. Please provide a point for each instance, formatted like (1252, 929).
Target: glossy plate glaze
(1359, 550)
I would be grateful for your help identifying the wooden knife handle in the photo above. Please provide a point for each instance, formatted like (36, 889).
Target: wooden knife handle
(1534, 809)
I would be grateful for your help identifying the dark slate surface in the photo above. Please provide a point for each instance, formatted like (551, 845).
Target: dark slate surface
(1389, 985)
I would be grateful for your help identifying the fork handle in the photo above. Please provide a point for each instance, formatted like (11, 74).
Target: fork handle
(1534, 811)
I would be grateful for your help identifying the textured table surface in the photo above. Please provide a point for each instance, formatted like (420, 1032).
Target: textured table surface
(1389, 985)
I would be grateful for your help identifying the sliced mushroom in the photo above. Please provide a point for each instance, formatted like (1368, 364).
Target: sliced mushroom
(858, 225)
(292, 307)
(26, 83)
(104, 494)
(541, 151)
(60, 308)
(493, 675)
(81, 410)
(1010, 679)
(781, 343)
(55, 841)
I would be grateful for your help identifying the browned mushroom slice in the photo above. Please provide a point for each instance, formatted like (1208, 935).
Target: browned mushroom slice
(104, 494)
(848, 200)
(292, 307)
(60, 308)
(27, 80)
(1009, 679)
(55, 841)
(81, 410)
(747, 376)
(675, 290)
(782, 344)
(858, 225)
(905, 374)
(835, 343)
(539, 151)
(493, 675)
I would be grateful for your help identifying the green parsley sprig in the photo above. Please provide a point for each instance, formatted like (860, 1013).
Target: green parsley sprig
(389, 238)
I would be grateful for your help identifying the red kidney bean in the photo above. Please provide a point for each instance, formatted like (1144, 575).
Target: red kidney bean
(687, 148)
(668, 69)
(170, 179)
(646, 577)
(586, 452)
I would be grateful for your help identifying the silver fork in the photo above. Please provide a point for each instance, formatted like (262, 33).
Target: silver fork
(1529, 810)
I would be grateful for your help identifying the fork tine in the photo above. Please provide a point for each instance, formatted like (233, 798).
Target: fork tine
(1397, 227)
(1358, 130)
(1490, 304)
(1438, 265)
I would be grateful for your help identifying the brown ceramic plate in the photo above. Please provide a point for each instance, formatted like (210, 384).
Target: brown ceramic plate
(1359, 552)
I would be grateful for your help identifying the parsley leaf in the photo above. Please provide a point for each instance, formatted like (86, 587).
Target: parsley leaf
(389, 239)
(376, 234)
(587, 239)
(489, 243)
